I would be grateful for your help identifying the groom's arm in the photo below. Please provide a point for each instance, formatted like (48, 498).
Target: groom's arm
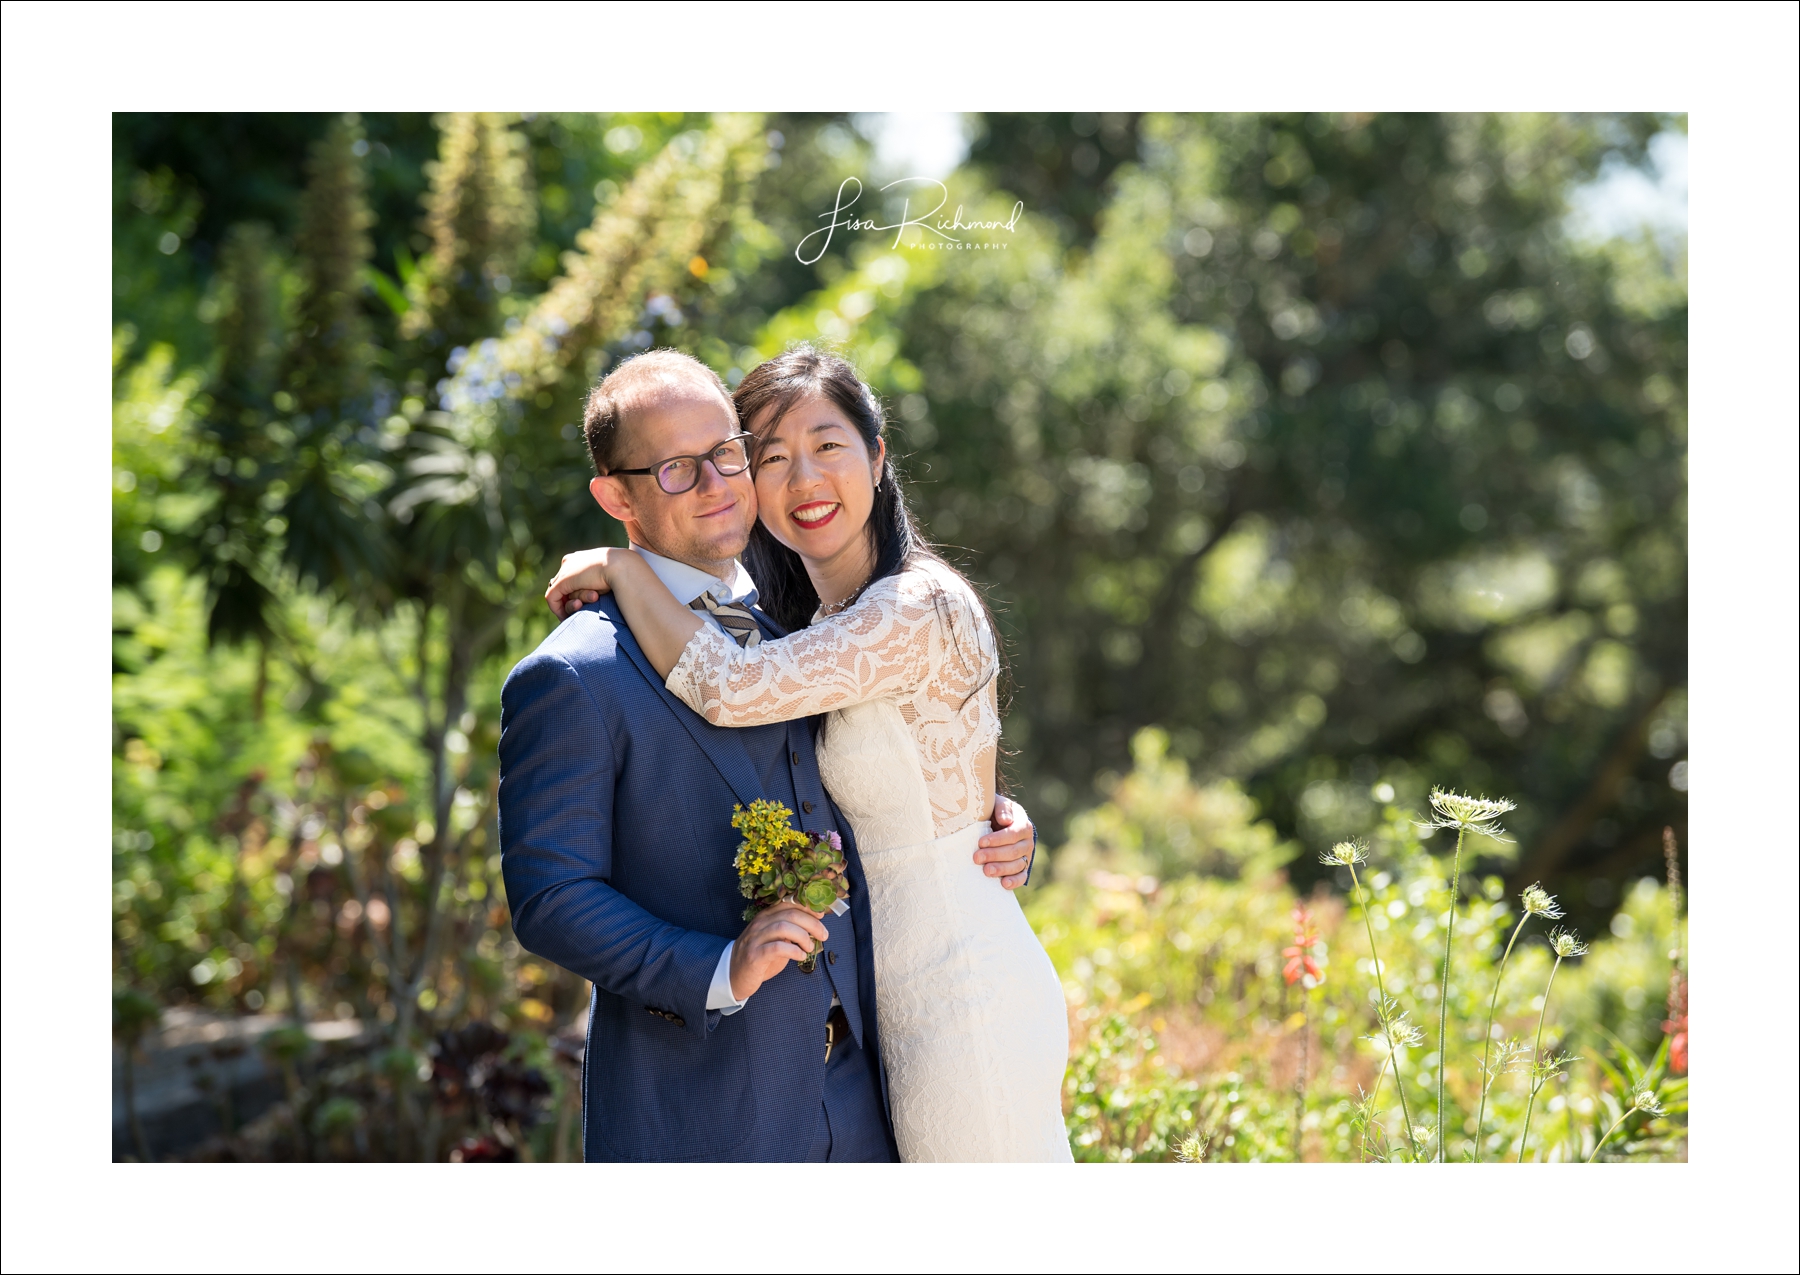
(1008, 851)
(557, 774)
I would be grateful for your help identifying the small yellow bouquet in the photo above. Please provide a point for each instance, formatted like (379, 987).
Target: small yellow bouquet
(777, 863)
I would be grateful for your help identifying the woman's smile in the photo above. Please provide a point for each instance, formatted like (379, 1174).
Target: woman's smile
(815, 513)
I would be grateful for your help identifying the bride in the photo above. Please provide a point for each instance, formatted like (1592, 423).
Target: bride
(899, 651)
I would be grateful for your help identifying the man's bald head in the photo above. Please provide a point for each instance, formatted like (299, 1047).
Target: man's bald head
(642, 382)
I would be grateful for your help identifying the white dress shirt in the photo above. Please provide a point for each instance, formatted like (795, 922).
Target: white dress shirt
(688, 583)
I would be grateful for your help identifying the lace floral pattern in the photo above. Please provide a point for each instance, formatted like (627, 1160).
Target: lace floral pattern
(917, 639)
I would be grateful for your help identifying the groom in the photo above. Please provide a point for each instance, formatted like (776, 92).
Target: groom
(705, 1040)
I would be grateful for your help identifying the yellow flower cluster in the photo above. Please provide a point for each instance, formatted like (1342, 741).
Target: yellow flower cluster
(766, 833)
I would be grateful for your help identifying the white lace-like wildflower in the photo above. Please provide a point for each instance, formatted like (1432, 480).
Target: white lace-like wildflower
(1469, 814)
(1644, 1100)
(1345, 854)
(1566, 943)
(1192, 1149)
(1537, 902)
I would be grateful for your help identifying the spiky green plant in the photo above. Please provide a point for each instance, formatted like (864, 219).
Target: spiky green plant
(1533, 901)
(649, 239)
(327, 365)
(234, 466)
(480, 214)
(326, 374)
(1464, 814)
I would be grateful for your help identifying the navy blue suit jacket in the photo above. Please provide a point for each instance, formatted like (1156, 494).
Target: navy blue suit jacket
(617, 847)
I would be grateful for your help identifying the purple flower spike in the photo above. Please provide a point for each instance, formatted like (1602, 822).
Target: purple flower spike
(837, 842)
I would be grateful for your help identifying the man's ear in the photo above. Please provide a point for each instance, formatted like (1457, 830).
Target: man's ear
(611, 495)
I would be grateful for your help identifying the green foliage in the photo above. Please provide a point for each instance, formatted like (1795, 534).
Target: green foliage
(1158, 822)
(1185, 1025)
(1123, 1105)
(1332, 453)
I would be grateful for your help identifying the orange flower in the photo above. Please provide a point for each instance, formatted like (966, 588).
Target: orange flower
(1299, 956)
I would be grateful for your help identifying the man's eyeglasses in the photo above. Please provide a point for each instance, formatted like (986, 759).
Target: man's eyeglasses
(680, 474)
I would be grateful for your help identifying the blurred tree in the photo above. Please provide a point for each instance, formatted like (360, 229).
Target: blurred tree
(1338, 457)
(1059, 163)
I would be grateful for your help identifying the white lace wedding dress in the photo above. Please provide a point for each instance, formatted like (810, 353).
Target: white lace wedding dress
(973, 1026)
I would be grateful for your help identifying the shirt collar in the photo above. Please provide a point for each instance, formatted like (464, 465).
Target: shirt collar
(688, 583)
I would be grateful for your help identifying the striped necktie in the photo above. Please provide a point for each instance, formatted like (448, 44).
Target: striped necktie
(734, 619)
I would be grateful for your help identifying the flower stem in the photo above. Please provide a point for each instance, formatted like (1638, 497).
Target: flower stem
(1444, 989)
(1381, 991)
(1537, 1049)
(1487, 1038)
(1300, 1081)
(1363, 1152)
(1603, 1137)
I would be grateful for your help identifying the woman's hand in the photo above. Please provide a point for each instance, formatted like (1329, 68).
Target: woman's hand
(580, 580)
(661, 623)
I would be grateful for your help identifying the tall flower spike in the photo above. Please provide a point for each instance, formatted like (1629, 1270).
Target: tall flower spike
(1299, 956)
(1566, 943)
(1538, 903)
(1345, 854)
(1469, 814)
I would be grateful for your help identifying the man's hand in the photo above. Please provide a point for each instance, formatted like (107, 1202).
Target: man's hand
(1006, 852)
(783, 933)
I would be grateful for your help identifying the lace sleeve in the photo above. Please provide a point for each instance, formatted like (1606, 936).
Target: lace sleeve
(881, 646)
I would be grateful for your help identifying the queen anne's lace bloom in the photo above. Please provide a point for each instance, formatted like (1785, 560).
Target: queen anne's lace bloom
(1566, 943)
(1345, 854)
(1469, 814)
(1537, 902)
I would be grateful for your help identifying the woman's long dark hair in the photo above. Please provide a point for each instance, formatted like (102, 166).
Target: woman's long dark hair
(784, 589)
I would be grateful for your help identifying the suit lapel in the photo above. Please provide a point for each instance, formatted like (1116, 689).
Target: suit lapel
(769, 627)
(723, 747)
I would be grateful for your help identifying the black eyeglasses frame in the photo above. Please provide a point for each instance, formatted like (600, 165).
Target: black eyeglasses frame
(711, 456)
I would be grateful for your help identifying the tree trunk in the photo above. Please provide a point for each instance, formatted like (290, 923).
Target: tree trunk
(138, 1139)
(1547, 857)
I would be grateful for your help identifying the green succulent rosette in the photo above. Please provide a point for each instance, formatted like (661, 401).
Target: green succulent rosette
(777, 863)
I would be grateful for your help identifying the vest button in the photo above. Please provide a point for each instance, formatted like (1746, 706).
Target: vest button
(831, 958)
(806, 806)
(796, 756)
